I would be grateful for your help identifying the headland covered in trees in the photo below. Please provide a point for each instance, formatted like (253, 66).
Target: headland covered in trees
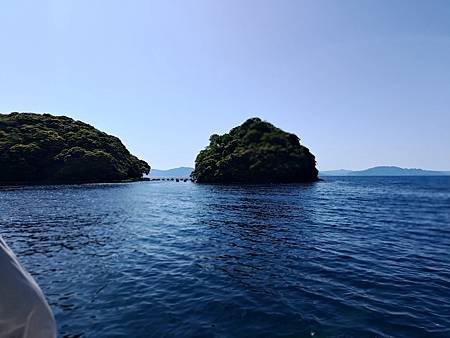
(37, 148)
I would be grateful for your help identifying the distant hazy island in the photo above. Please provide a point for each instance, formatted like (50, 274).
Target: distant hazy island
(375, 171)
(181, 172)
(46, 148)
(384, 171)
(255, 152)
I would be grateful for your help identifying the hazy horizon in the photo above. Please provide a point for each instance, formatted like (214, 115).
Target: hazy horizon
(362, 83)
(337, 169)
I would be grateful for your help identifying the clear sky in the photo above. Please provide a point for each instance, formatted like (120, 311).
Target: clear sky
(362, 82)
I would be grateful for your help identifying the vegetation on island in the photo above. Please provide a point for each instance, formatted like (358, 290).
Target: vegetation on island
(255, 152)
(46, 148)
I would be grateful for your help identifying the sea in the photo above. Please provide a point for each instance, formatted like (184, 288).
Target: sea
(342, 257)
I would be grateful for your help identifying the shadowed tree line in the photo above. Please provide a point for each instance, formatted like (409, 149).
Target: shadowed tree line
(46, 148)
(255, 152)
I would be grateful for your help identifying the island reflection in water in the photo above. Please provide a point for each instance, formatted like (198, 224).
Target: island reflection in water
(358, 257)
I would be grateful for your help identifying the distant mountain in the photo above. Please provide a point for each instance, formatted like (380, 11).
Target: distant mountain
(339, 172)
(384, 171)
(395, 171)
(375, 171)
(175, 172)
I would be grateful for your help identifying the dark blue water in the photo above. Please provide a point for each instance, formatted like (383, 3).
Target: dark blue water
(346, 257)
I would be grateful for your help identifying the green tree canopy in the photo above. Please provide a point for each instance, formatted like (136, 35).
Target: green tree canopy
(255, 152)
(46, 148)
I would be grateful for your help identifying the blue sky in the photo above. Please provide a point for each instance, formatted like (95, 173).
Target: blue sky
(362, 82)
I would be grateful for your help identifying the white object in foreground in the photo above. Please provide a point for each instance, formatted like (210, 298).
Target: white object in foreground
(24, 312)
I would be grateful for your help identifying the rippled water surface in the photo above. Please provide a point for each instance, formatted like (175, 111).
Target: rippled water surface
(345, 257)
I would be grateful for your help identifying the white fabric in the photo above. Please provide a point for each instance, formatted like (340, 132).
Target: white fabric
(24, 312)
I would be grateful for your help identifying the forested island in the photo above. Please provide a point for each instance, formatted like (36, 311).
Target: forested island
(44, 148)
(255, 152)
